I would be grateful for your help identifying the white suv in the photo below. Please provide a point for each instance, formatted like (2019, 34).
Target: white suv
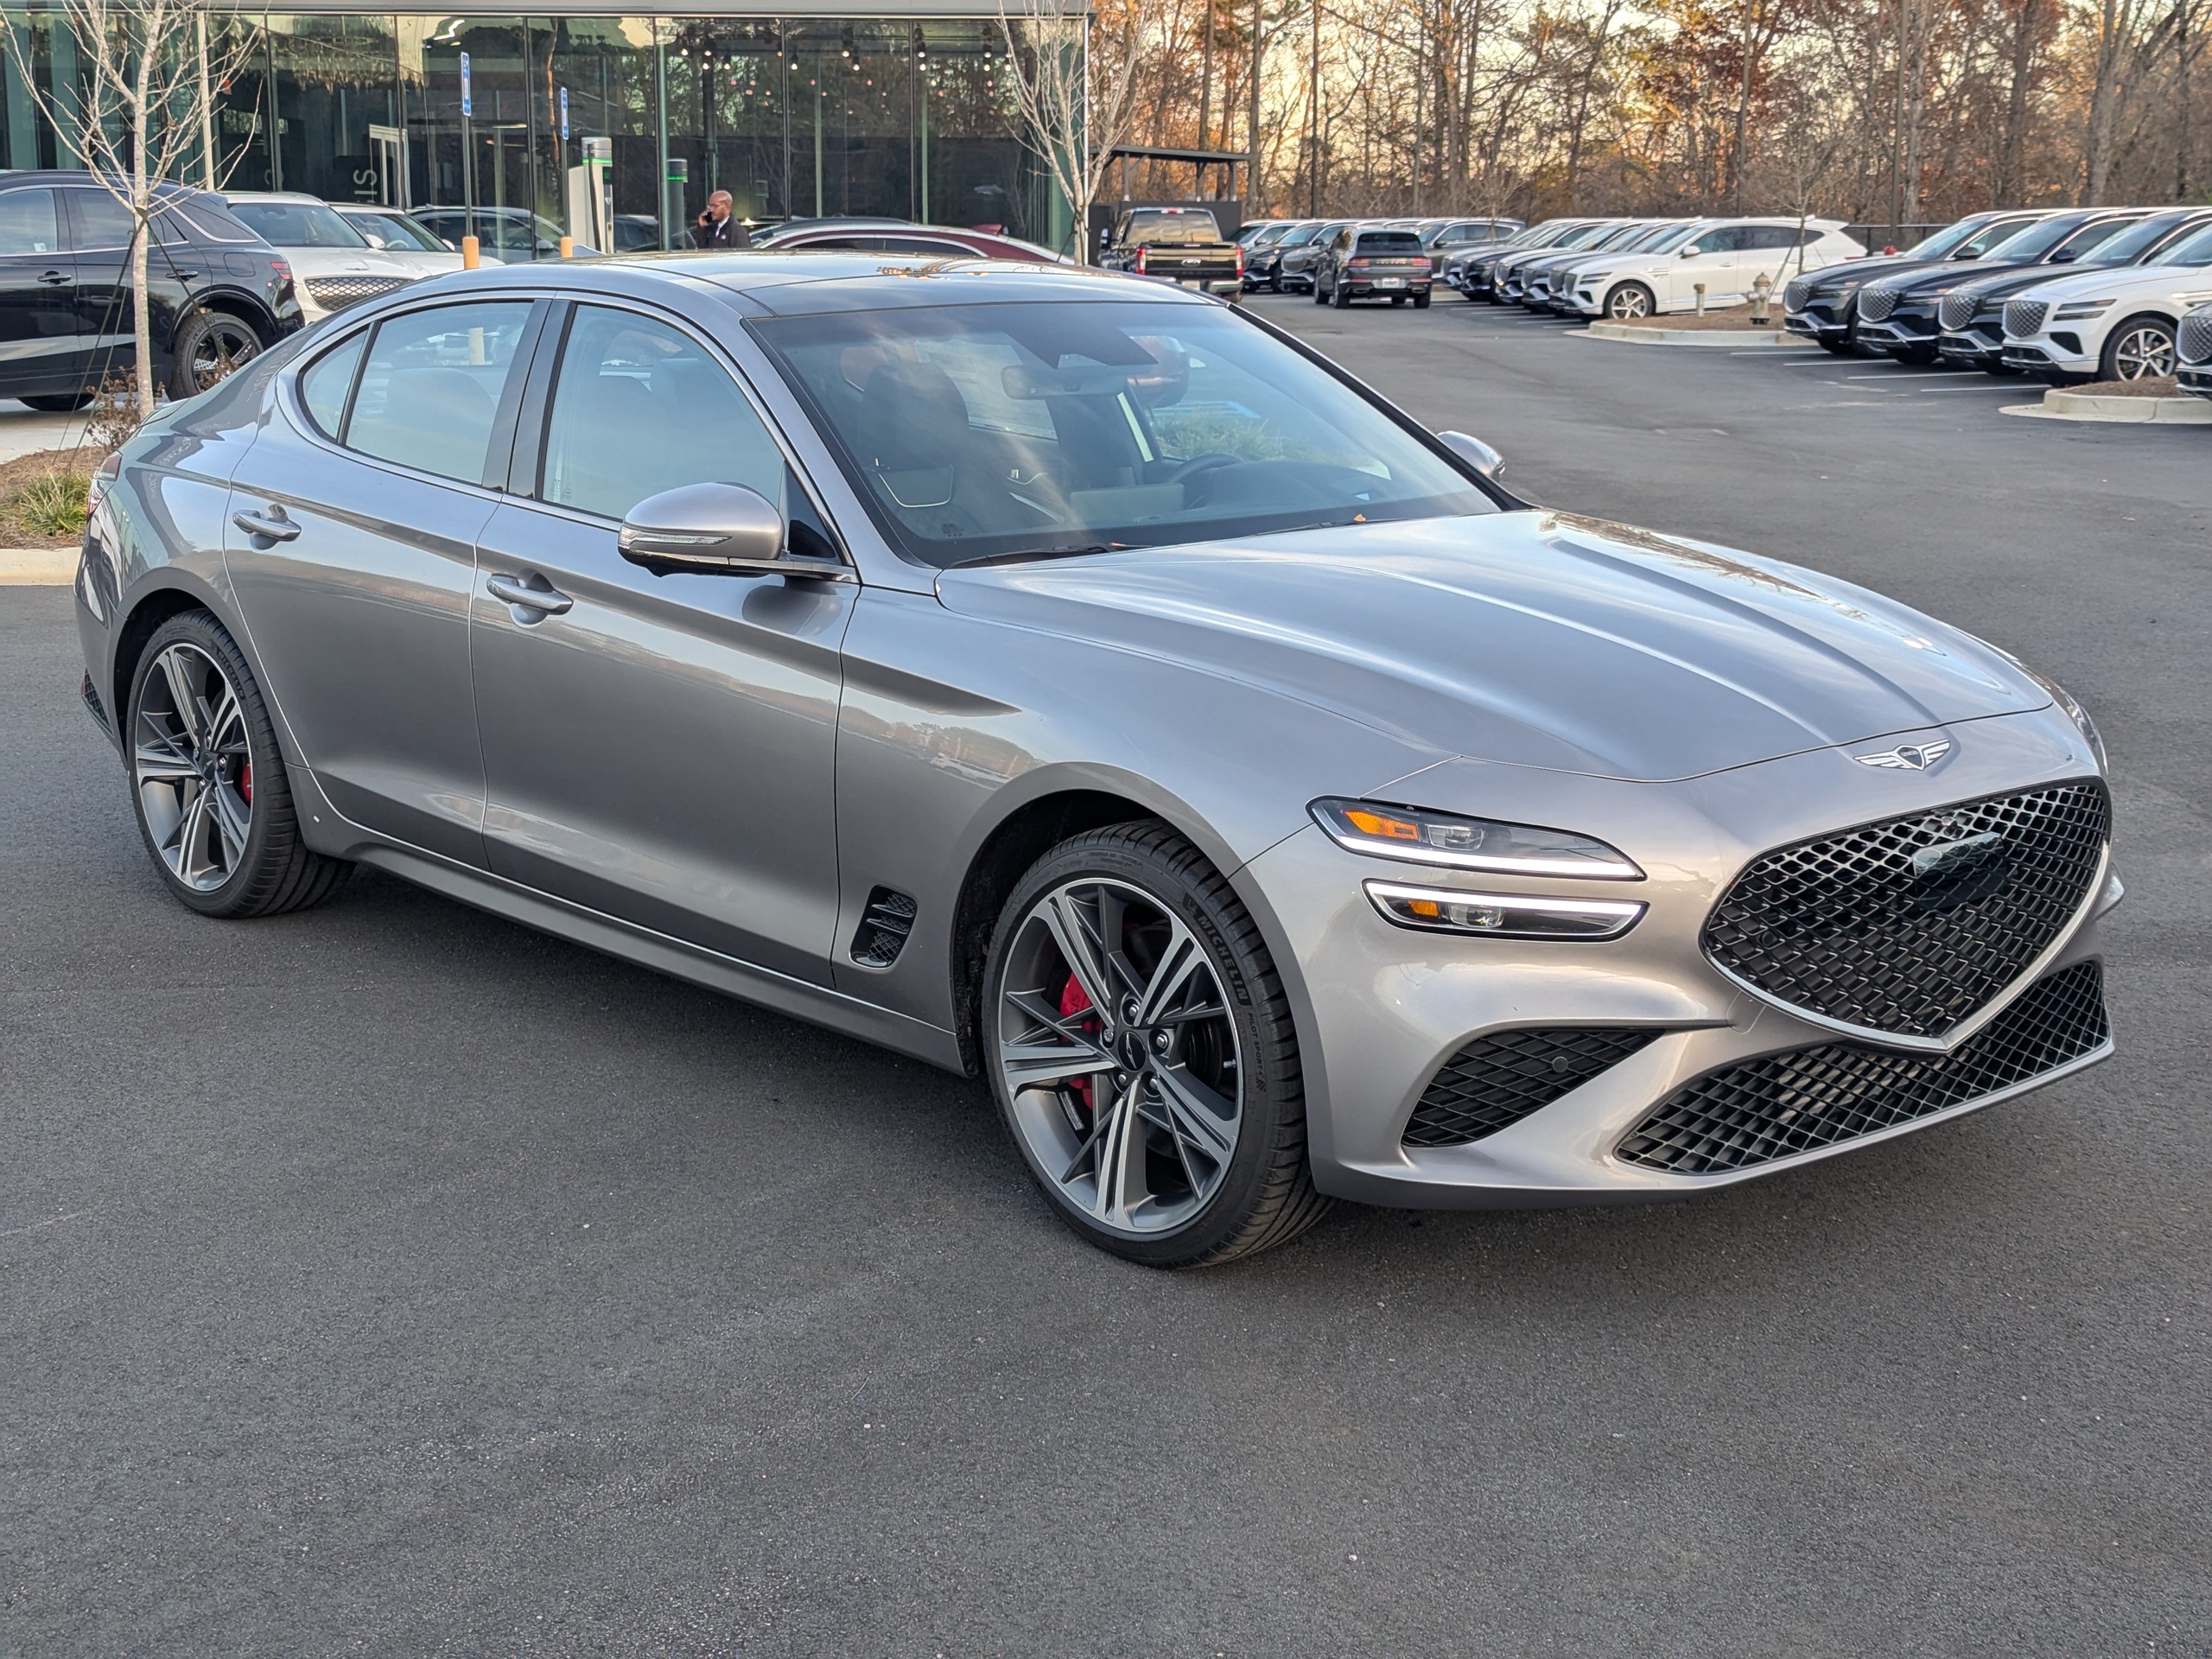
(2116, 323)
(1725, 255)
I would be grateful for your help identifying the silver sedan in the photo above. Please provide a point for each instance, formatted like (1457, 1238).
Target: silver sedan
(1074, 682)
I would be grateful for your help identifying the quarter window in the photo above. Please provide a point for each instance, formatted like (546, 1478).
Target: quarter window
(638, 408)
(431, 387)
(324, 386)
(27, 224)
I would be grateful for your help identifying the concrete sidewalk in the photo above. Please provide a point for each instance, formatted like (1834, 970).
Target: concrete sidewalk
(25, 431)
(37, 566)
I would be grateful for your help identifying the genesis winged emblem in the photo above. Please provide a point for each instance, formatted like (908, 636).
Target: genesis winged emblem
(1908, 757)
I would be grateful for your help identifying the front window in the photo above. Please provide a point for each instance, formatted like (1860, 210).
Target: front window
(2135, 240)
(2034, 241)
(975, 430)
(2195, 250)
(297, 225)
(1668, 238)
(1988, 238)
(1935, 246)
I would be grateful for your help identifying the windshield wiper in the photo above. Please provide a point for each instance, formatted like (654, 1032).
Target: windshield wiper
(1030, 555)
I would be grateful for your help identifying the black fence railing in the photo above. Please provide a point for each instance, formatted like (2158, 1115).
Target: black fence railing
(1878, 237)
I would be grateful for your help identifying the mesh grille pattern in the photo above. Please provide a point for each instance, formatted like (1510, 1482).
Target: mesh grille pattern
(1909, 926)
(1495, 1081)
(336, 293)
(1784, 1104)
(1875, 304)
(2025, 316)
(2193, 338)
(1795, 296)
(1957, 310)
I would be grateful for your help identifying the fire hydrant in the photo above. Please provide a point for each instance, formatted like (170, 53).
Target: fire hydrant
(1762, 295)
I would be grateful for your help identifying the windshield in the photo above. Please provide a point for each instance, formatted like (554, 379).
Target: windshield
(1988, 237)
(2090, 238)
(2194, 250)
(2033, 241)
(1171, 230)
(1586, 235)
(2145, 237)
(398, 231)
(297, 224)
(1301, 235)
(1619, 236)
(1272, 235)
(1672, 237)
(975, 430)
(1935, 246)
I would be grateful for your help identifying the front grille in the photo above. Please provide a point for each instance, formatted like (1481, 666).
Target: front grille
(1795, 296)
(1957, 310)
(2024, 317)
(1782, 1104)
(2193, 338)
(336, 293)
(1876, 304)
(1909, 926)
(1495, 1081)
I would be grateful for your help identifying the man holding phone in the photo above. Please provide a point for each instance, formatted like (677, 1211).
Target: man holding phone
(715, 228)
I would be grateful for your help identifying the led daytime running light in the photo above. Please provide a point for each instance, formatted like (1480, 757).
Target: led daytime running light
(1502, 915)
(1417, 836)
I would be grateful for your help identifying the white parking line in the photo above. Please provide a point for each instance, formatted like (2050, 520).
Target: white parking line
(1935, 374)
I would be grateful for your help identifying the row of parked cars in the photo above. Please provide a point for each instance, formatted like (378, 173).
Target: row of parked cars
(1625, 269)
(1340, 260)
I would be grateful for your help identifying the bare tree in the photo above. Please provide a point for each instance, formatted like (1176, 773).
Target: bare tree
(1075, 97)
(140, 117)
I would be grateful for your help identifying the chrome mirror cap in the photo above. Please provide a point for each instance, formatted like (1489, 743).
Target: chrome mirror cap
(706, 527)
(1477, 453)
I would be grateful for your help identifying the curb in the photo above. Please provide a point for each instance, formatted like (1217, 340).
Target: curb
(37, 566)
(2061, 405)
(1730, 338)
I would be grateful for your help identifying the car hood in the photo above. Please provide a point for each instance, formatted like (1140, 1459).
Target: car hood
(1858, 272)
(1956, 274)
(1531, 637)
(2024, 277)
(2178, 283)
(347, 261)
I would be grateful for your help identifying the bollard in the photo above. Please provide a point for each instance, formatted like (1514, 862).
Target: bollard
(470, 257)
(568, 247)
(1700, 299)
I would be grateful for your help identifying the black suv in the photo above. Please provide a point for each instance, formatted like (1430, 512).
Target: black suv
(218, 293)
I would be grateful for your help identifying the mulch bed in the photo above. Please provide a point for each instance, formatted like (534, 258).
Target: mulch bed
(2163, 385)
(23, 469)
(1738, 318)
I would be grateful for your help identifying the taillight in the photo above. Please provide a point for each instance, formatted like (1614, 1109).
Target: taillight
(1359, 264)
(283, 268)
(1240, 262)
(1140, 254)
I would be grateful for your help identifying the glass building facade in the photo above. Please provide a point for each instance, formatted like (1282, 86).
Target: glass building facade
(795, 117)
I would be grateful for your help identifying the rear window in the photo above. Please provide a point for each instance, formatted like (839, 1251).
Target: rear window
(1388, 242)
(1173, 230)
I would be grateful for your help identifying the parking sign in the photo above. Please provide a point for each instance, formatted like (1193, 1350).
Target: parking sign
(564, 115)
(468, 104)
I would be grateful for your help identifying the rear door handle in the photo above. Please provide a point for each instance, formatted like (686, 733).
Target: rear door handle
(274, 528)
(535, 594)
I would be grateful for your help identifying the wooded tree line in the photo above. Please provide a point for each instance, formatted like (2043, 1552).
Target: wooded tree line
(1878, 111)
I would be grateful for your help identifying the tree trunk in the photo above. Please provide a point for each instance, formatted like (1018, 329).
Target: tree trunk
(2006, 185)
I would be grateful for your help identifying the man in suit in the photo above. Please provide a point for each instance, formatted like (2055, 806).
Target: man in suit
(716, 229)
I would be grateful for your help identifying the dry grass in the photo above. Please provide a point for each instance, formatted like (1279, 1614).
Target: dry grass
(1736, 317)
(42, 497)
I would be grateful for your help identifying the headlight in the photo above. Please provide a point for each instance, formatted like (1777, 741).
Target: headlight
(1420, 836)
(2081, 310)
(1503, 915)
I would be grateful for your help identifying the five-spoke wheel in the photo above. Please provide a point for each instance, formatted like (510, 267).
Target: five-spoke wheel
(1142, 1051)
(2141, 348)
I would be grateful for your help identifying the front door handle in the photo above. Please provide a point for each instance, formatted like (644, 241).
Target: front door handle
(529, 599)
(57, 278)
(274, 528)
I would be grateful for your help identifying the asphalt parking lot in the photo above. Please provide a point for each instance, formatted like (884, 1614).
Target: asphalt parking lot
(388, 1279)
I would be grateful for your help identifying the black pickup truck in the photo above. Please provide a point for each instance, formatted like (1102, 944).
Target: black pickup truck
(1183, 244)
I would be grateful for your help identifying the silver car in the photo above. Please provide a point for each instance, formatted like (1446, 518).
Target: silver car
(1070, 680)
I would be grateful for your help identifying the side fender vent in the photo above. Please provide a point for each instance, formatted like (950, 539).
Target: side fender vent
(884, 927)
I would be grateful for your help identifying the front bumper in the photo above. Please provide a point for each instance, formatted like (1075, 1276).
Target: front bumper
(2195, 378)
(1900, 332)
(1815, 322)
(1385, 1010)
(1972, 348)
(2054, 354)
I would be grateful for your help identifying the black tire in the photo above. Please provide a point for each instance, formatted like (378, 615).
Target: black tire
(1340, 295)
(59, 403)
(1319, 298)
(211, 347)
(1397, 298)
(2123, 358)
(1837, 344)
(1918, 357)
(1275, 284)
(1421, 301)
(1265, 1195)
(276, 871)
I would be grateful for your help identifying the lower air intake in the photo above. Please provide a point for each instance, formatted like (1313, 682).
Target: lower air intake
(1783, 1104)
(884, 926)
(1495, 1081)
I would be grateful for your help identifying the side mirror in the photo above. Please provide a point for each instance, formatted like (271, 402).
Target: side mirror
(373, 240)
(1477, 453)
(1690, 250)
(713, 527)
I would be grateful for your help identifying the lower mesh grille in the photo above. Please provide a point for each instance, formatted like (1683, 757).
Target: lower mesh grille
(1782, 1104)
(2193, 338)
(1495, 1081)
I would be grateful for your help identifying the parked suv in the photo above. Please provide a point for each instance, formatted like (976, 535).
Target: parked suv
(1972, 314)
(1721, 259)
(337, 266)
(2193, 352)
(216, 294)
(1897, 312)
(2110, 325)
(1824, 307)
(1360, 264)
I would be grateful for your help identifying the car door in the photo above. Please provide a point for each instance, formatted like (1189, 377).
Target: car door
(352, 551)
(39, 348)
(1711, 257)
(657, 747)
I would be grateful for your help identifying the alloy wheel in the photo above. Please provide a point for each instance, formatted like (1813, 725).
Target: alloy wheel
(222, 346)
(192, 767)
(1120, 1057)
(1629, 302)
(2143, 354)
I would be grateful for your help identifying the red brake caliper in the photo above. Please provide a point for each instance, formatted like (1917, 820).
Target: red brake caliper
(245, 782)
(1074, 999)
